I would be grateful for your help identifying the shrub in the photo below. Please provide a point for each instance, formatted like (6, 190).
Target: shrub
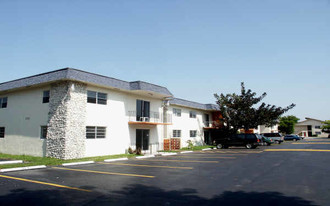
(190, 144)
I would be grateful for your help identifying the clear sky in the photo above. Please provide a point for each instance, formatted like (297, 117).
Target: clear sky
(194, 48)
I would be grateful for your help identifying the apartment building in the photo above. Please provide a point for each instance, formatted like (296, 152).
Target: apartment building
(310, 127)
(69, 113)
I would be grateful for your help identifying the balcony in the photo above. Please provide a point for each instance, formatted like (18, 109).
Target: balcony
(154, 118)
(212, 124)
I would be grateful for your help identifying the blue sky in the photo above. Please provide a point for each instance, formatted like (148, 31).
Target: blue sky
(194, 48)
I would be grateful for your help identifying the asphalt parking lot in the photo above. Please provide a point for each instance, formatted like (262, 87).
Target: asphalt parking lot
(293, 173)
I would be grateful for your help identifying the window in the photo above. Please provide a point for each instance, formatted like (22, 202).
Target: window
(193, 133)
(95, 132)
(45, 98)
(318, 133)
(43, 132)
(176, 133)
(177, 112)
(192, 114)
(317, 127)
(142, 110)
(96, 97)
(2, 132)
(3, 102)
(250, 136)
(238, 136)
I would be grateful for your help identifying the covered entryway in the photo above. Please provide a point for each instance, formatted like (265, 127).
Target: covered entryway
(142, 139)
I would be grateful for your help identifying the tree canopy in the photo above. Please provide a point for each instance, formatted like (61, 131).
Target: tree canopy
(287, 124)
(240, 111)
(326, 126)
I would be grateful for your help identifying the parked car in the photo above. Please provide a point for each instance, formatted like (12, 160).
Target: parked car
(292, 137)
(250, 141)
(267, 140)
(277, 137)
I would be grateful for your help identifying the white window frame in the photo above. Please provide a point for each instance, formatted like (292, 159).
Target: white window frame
(4, 132)
(45, 98)
(177, 112)
(2, 102)
(98, 99)
(95, 132)
(176, 133)
(193, 133)
(193, 114)
(43, 133)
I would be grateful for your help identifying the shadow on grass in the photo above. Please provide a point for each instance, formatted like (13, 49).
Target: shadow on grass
(143, 195)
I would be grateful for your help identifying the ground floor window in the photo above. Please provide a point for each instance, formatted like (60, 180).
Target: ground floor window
(193, 133)
(176, 133)
(93, 132)
(2, 132)
(43, 132)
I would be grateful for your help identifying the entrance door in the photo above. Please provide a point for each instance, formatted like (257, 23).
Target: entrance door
(142, 139)
(207, 138)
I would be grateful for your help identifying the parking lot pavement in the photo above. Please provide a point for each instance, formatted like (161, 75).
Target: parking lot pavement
(234, 176)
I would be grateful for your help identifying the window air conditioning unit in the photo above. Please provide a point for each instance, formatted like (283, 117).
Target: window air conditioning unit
(145, 119)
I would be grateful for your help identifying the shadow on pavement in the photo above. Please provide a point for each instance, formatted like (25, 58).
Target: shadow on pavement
(143, 195)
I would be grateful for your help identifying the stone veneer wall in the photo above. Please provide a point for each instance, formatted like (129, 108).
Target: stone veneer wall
(66, 120)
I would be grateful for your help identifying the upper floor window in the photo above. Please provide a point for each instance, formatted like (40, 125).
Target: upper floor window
(2, 132)
(45, 98)
(95, 132)
(3, 102)
(43, 132)
(192, 114)
(142, 110)
(318, 127)
(96, 97)
(193, 133)
(177, 112)
(176, 133)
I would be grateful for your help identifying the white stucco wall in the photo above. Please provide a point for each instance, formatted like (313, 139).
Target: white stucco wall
(22, 118)
(185, 124)
(114, 116)
(264, 129)
(302, 127)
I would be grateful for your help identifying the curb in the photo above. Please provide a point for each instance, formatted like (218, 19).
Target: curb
(78, 163)
(186, 152)
(169, 154)
(113, 160)
(11, 162)
(206, 149)
(143, 157)
(23, 168)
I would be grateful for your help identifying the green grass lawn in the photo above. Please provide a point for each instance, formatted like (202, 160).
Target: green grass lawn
(194, 148)
(31, 160)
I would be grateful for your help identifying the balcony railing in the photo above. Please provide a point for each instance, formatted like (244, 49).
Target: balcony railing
(212, 124)
(154, 118)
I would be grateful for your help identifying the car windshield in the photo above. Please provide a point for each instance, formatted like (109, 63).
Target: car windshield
(259, 136)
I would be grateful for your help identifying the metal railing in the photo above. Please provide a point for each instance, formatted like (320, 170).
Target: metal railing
(212, 124)
(154, 117)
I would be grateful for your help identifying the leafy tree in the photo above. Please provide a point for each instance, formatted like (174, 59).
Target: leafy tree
(241, 111)
(287, 124)
(326, 126)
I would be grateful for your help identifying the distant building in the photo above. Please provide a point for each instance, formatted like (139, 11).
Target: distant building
(309, 128)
